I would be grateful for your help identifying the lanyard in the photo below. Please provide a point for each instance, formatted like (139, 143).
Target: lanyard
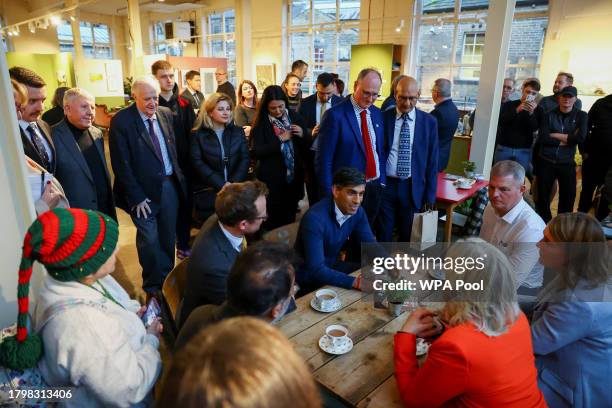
(105, 293)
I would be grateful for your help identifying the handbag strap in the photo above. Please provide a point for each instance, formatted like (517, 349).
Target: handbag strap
(59, 307)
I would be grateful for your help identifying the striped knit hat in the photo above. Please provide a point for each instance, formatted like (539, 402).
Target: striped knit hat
(71, 244)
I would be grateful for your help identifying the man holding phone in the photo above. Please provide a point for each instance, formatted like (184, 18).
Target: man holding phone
(517, 122)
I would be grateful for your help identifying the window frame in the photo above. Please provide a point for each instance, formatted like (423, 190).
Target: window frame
(226, 37)
(95, 45)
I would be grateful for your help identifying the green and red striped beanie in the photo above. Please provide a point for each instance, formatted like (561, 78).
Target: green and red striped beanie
(71, 243)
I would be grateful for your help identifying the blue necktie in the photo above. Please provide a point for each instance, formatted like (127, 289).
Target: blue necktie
(404, 153)
(40, 147)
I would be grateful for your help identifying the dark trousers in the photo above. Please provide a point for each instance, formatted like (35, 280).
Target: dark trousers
(155, 237)
(397, 209)
(183, 221)
(280, 214)
(547, 174)
(371, 201)
(310, 178)
(593, 174)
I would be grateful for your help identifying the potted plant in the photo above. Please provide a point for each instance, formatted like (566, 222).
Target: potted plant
(396, 300)
(469, 168)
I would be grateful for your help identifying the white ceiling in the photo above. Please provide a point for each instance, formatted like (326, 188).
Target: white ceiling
(119, 7)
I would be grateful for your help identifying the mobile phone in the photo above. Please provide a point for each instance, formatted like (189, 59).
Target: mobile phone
(530, 98)
(153, 311)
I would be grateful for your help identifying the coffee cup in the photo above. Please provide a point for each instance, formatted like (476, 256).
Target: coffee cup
(465, 183)
(326, 298)
(338, 334)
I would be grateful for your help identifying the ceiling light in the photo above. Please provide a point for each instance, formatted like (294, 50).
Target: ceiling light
(55, 20)
(72, 18)
(32, 27)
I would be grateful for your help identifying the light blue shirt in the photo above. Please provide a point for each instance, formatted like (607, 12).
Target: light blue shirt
(392, 159)
(24, 126)
(160, 138)
(371, 131)
(340, 216)
(219, 133)
(235, 241)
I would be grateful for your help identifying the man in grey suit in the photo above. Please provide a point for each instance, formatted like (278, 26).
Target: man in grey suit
(241, 209)
(149, 183)
(81, 165)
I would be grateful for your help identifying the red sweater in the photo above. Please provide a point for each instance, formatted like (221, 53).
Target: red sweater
(466, 368)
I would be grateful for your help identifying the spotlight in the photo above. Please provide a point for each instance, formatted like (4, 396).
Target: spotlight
(32, 27)
(72, 18)
(55, 20)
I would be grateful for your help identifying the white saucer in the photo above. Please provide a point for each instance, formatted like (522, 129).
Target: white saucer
(334, 308)
(422, 347)
(437, 274)
(326, 345)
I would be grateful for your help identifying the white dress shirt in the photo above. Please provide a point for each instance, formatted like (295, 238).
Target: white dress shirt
(399, 121)
(235, 241)
(328, 105)
(371, 131)
(340, 216)
(24, 126)
(516, 235)
(161, 139)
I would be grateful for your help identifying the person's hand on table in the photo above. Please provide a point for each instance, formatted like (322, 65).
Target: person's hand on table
(422, 323)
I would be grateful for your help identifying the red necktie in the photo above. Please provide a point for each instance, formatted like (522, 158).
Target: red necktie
(370, 171)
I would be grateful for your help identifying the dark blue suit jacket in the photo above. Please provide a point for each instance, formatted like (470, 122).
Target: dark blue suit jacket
(308, 109)
(447, 116)
(424, 155)
(341, 143)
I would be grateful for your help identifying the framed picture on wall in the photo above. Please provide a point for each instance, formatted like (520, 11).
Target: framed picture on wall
(266, 75)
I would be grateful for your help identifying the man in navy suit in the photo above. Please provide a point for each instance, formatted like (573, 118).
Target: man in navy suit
(447, 115)
(411, 162)
(81, 163)
(312, 109)
(149, 182)
(351, 135)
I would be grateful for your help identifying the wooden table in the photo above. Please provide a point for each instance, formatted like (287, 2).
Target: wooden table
(448, 197)
(364, 376)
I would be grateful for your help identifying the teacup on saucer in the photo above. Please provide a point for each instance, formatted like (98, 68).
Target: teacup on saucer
(336, 340)
(325, 300)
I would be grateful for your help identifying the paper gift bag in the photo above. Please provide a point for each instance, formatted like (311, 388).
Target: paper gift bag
(424, 229)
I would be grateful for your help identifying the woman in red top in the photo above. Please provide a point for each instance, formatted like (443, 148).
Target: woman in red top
(483, 356)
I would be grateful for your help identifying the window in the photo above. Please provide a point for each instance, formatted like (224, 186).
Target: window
(95, 39)
(221, 40)
(321, 33)
(161, 45)
(450, 43)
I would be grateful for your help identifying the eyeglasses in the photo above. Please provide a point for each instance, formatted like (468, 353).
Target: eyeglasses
(373, 95)
(507, 87)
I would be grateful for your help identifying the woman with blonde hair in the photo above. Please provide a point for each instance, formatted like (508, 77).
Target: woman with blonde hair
(483, 355)
(240, 362)
(219, 153)
(291, 87)
(572, 322)
(247, 106)
(52, 194)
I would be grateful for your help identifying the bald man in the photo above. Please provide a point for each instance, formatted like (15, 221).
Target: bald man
(411, 162)
(149, 182)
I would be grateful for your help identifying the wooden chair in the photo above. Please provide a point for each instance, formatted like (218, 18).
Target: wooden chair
(286, 234)
(173, 291)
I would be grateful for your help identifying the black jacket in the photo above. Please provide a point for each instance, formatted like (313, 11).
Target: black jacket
(271, 169)
(212, 257)
(74, 174)
(308, 109)
(447, 116)
(29, 148)
(573, 124)
(139, 172)
(206, 161)
(188, 96)
(599, 139)
(516, 130)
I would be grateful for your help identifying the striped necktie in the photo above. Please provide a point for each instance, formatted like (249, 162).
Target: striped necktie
(404, 153)
(40, 147)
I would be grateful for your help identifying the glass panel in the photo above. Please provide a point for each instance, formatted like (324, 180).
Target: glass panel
(473, 45)
(215, 24)
(527, 40)
(467, 38)
(300, 47)
(465, 91)
(101, 34)
(531, 5)
(343, 74)
(426, 75)
(307, 83)
(160, 31)
(216, 48)
(438, 6)
(103, 52)
(346, 38)
(435, 43)
(88, 51)
(64, 32)
(324, 47)
(230, 21)
(160, 49)
(86, 33)
(66, 47)
(519, 74)
(300, 12)
(349, 9)
(474, 5)
(324, 11)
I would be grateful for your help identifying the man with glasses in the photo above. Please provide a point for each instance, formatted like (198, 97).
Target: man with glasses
(241, 209)
(312, 109)
(223, 85)
(351, 135)
(260, 284)
(411, 162)
(447, 115)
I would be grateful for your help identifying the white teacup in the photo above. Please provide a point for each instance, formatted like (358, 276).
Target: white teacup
(326, 298)
(463, 183)
(338, 334)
